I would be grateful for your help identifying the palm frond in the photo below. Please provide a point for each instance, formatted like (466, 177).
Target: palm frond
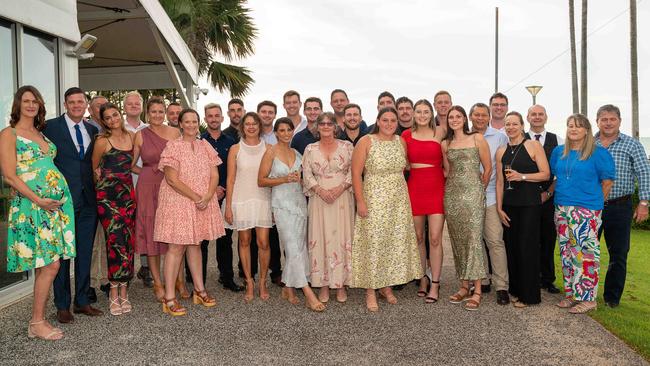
(236, 79)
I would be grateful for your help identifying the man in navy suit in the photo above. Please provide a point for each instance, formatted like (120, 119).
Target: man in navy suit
(74, 138)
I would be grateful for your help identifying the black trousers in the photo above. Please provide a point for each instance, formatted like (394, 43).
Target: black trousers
(522, 241)
(617, 223)
(548, 239)
(275, 265)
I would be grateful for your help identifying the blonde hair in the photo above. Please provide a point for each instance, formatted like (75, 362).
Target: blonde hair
(588, 145)
(133, 93)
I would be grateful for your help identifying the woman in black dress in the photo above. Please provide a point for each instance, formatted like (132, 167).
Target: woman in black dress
(521, 166)
(112, 160)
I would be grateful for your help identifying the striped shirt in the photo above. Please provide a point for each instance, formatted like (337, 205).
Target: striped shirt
(631, 164)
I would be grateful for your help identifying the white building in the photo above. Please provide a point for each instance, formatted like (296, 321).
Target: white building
(137, 47)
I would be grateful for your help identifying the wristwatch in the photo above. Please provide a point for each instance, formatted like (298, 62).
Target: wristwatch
(523, 177)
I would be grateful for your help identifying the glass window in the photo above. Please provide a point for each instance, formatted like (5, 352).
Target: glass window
(39, 67)
(7, 89)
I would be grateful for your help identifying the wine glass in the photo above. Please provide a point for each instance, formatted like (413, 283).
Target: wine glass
(507, 169)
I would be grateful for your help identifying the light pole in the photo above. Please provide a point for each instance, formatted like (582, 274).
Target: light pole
(533, 90)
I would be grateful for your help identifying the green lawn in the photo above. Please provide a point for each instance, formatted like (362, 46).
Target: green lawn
(631, 320)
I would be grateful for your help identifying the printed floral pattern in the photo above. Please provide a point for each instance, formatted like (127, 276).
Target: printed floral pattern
(37, 237)
(384, 249)
(577, 230)
(330, 225)
(116, 212)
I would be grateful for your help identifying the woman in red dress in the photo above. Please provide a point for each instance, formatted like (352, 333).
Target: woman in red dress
(426, 185)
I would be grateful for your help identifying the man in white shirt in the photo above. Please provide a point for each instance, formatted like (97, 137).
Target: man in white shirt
(132, 109)
(537, 118)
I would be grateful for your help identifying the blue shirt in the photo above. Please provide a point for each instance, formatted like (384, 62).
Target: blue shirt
(579, 181)
(302, 139)
(631, 163)
(495, 140)
(222, 145)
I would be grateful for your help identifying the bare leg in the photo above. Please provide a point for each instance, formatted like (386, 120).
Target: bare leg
(419, 234)
(194, 258)
(42, 283)
(154, 266)
(180, 279)
(245, 258)
(172, 263)
(289, 294)
(264, 251)
(436, 224)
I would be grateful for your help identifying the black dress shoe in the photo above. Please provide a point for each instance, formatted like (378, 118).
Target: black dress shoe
(145, 275)
(502, 297)
(486, 288)
(231, 285)
(611, 304)
(551, 288)
(105, 288)
(92, 295)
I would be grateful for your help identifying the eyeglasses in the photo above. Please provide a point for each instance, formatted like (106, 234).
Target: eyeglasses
(328, 124)
(499, 105)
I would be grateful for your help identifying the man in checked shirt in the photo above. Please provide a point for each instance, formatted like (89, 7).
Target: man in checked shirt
(631, 164)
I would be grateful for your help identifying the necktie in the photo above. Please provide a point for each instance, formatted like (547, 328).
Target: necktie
(80, 141)
(537, 137)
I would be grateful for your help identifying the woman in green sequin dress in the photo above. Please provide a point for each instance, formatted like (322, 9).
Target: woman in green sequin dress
(465, 153)
(41, 216)
(384, 248)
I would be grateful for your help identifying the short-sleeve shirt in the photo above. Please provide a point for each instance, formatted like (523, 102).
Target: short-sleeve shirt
(579, 181)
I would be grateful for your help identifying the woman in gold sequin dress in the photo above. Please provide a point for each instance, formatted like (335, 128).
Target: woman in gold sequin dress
(465, 153)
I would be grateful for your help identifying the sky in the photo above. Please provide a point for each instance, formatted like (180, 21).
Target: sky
(415, 48)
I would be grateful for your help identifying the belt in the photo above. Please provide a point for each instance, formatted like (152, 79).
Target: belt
(619, 200)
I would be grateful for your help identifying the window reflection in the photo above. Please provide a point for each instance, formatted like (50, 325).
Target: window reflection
(7, 89)
(39, 67)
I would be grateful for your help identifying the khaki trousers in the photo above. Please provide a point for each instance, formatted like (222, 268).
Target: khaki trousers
(493, 236)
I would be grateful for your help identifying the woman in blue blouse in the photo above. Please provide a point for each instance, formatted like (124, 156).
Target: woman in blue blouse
(585, 174)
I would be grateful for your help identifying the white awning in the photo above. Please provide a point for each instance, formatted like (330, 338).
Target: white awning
(125, 38)
(56, 17)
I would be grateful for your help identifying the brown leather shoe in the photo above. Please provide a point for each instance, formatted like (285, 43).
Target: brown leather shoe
(87, 310)
(64, 316)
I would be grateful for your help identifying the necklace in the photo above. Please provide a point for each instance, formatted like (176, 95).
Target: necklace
(569, 167)
(514, 152)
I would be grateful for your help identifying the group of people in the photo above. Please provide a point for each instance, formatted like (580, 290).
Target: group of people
(348, 204)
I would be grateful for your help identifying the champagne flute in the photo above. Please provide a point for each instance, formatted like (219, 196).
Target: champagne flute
(508, 169)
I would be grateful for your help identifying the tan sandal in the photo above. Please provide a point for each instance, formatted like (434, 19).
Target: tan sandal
(316, 306)
(159, 291)
(472, 304)
(566, 303)
(182, 290)
(389, 296)
(125, 304)
(583, 307)
(291, 298)
(202, 297)
(372, 307)
(54, 335)
(458, 297)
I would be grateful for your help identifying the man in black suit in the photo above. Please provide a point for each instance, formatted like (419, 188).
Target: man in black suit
(74, 138)
(537, 118)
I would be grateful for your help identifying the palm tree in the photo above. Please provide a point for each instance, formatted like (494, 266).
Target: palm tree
(574, 67)
(583, 61)
(634, 71)
(213, 28)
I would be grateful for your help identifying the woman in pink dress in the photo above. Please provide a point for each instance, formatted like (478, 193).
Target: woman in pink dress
(188, 211)
(148, 144)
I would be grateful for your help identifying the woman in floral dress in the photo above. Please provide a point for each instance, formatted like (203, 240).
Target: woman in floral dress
(112, 160)
(327, 182)
(41, 221)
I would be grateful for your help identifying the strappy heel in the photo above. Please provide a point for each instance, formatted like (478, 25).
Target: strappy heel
(182, 290)
(115, 308)
(431, 299)
(159, 291)
(202, 297)
(250, 290)
(125, 304)
(54, 335)
(175, 309)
